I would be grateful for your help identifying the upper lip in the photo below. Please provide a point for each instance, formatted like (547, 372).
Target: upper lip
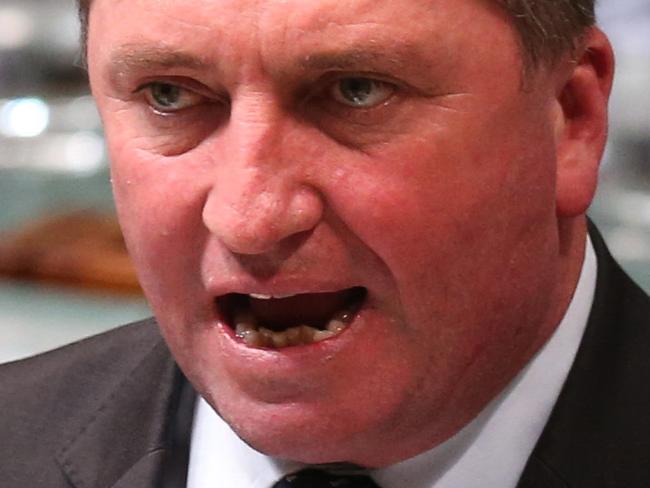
(279, 288)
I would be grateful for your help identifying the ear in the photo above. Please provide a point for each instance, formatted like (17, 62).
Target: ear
(581, 123)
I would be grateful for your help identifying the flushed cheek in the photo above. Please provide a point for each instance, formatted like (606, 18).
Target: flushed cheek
(449, 182)
(159, 211)
(440, 223)
(153, 185)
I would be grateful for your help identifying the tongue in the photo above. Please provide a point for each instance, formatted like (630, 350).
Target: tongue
(314, 309)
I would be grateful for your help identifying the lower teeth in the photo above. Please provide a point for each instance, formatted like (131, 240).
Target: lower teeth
(246, 329)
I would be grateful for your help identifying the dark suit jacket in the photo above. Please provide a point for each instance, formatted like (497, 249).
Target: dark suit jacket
(114, 411)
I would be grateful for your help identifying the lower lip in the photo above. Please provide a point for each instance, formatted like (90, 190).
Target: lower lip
(298, 373)
(326, 348)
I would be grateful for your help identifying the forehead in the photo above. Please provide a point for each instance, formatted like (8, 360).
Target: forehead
(309, 14)
(281, 28)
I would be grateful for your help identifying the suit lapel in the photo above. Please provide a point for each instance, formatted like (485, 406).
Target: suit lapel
(143, 473)
(128, 440)
(538, 475)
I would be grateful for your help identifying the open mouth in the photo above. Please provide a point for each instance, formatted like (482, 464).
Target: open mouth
(267, 321)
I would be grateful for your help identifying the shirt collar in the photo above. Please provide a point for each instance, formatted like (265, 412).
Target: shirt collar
(492, 450)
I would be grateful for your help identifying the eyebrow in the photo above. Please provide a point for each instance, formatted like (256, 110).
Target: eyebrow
(354, 59)
(399, 57)
(138, 57)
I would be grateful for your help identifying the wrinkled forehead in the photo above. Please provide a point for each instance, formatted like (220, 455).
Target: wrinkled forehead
(302, 13)
(272, 30)
(259, 18)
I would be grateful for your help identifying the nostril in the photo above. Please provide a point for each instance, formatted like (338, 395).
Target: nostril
(305, 209)
(258, 223)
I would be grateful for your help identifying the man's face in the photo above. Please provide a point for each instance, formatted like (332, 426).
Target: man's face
(377, 158)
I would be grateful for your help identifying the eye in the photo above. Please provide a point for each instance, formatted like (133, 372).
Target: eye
(168, 98)
(361, 92)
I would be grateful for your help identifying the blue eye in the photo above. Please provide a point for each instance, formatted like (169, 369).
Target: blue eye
(168, 98)
(361, 92)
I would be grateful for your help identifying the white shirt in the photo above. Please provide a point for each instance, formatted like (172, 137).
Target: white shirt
(489, 452)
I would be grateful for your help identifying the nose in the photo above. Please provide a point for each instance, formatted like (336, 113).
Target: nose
(259, 197)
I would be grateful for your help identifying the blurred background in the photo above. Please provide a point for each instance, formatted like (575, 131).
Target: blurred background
(64, 273)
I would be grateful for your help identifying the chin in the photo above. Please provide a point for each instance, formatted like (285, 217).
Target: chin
(297, 432)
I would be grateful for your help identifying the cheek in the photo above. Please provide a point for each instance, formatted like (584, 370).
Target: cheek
(153, 188)
(440, 211)
(159, 207)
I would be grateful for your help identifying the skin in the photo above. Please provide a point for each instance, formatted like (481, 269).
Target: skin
(457, 200)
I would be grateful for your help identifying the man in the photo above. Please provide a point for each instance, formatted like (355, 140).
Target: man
(361, 228)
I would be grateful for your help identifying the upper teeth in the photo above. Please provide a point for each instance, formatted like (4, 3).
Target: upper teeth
(262, 296)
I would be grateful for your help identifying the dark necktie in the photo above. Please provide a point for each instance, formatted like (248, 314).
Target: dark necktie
(315, 478)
